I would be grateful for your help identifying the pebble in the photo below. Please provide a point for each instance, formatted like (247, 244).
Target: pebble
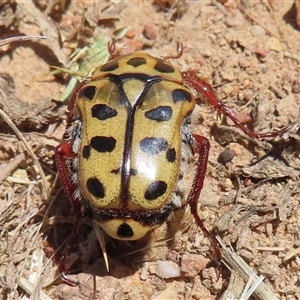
(167, 269)
(226, 156)
(257, 31)
(273, 43)
(150, 31)
(206, 52)
(296, 86)
(192, 264)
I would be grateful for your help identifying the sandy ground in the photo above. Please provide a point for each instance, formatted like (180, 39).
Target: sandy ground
(249, 52)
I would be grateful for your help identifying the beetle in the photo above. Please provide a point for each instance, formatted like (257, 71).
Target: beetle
(127, 143)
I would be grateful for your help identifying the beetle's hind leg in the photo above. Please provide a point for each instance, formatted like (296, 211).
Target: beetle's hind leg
(201, 146)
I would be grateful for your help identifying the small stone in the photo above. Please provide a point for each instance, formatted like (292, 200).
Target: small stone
(227, 89)
(261, 49)
(167, 269)
(130, 46)
(257, 31)
(228, 75)
(296, 86)
(226, 156)
(225, 184)
(192, 264)
(150, 31)
(206, 52)
(241, 95)
(248, 95)
(273, 44)
(131, 33)
(222, 42)
(244, 63)
(235, 19)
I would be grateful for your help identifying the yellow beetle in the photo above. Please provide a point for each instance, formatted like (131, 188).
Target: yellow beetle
(127, 145)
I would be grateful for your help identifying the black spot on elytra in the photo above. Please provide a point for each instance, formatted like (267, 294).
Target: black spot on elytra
(179, 95)
(110, 66)
(116, 171)
(133, 172)
(153, 145)
(125, 231)
(88, 92)
(95, 187)
(155, 190)
(86, 151)
(171, 155)
(163, 67)
(103, 112)
(136, 61)
(103, 143)
(159, 114)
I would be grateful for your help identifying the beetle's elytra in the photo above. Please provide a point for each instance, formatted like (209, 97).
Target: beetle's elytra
(125, 133)
(127, 145)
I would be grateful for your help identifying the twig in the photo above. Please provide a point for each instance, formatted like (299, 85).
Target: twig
(7, 119)
(236, 264)
(20, 38)
(9, 167)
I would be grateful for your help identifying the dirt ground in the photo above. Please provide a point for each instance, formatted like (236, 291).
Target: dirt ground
(249, 52)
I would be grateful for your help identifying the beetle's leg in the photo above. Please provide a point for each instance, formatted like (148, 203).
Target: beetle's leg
(207, 94)
(201, 147)
(62, 153)
(66, 253)
(179, 52)
(112, 49)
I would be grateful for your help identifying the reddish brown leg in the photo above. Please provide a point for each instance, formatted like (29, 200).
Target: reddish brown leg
(179, 52)
(207, 94)
(63, 152)
(66, 253)
(112, 49)
(201, 146)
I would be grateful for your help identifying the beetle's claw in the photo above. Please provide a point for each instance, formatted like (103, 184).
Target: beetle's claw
(69, 281)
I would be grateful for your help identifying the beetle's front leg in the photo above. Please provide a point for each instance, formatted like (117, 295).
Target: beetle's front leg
(208, 95)
(201, 146)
